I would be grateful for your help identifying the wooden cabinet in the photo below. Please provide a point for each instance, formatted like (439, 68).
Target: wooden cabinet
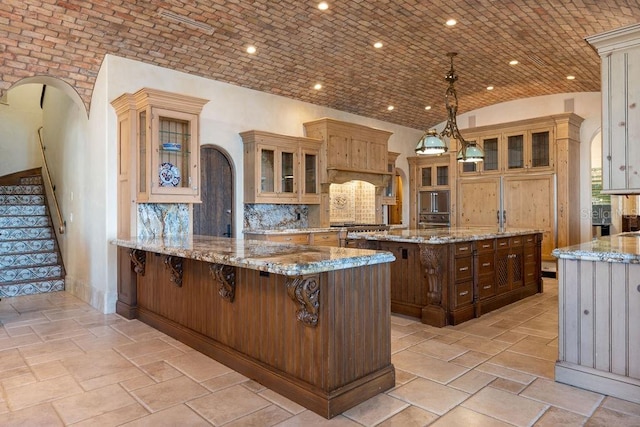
(281, 169)
(389, 196)
(529, 179)
(486, 268)
(516, 149)
(509, 264)
(619, 50)
(159, 146)
(430, 173)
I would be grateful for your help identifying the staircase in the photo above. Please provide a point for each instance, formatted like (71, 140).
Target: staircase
(29, 258)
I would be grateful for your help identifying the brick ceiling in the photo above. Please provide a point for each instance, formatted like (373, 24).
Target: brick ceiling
(299, 45)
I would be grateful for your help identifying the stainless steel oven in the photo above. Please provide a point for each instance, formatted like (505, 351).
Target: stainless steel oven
(434, 209)
(434, 220)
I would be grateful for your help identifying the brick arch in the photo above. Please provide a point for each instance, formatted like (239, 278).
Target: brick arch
(58, 84)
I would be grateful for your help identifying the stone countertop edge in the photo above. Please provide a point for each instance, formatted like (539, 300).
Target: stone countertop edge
(278, 258)
(438, 236)
(622, 248)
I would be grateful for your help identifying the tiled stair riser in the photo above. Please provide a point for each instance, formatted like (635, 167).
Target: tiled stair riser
(21, 199)
(30, 273)
(22, 210)
(31, 288)
(24, 246)
(27, 260)
(23, 221)
(26, 233)
(21, 189)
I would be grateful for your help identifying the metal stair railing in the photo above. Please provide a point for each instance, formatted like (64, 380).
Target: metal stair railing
(62, 223)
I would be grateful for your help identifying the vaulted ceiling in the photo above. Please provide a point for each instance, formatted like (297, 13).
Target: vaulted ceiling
(299, 45)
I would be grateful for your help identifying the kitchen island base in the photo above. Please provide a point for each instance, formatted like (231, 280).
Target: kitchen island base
(321, 340)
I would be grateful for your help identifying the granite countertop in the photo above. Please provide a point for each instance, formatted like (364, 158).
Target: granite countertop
(441, 235)
(278, 258)
(623, 247)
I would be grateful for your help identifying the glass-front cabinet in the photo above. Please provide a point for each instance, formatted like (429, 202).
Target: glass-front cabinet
(158, 137)
(514, 150)
(389, 197)
(280, 168)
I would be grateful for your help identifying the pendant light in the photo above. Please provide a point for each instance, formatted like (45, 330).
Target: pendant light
(433, 143)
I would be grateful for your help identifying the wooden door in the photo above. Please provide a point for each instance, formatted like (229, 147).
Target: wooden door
(478, 202)
(529, 202)
(214, 216)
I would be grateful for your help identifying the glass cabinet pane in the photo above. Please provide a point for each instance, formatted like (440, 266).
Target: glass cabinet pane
(540, 149)
(287, 172)
(515, 150)
(442, 175)
(267, 170)
(174, 153)
(142, 152)
(310, 173)
(388, 192)
(426, 177)
(490, 154)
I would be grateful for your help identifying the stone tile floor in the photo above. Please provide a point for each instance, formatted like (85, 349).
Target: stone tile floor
(64, 363)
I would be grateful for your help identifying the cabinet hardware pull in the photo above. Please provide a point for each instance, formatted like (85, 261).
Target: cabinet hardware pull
(486, 246)
(486, 264)
(486, 287)
(464, 268)
(466, 248)
(463, 293)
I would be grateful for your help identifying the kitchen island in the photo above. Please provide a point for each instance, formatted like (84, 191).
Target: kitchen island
(446, 276)
(599, 315)
(311, 323)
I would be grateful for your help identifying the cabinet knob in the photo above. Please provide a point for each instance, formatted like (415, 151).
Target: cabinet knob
(464, 293)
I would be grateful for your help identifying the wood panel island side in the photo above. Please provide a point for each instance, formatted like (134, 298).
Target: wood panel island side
(311, 323)
(446, 276)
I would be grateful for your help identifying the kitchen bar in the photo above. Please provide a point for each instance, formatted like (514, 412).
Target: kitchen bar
(311, 323)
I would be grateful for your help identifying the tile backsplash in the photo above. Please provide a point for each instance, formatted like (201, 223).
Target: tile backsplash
(353, 202)
(275, 217)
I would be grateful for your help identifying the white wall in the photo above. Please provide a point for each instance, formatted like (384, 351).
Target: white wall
(19, 123)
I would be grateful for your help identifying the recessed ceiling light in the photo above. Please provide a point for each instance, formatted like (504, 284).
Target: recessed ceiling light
(377, 45)
(513, 62)
(428, 107)
(251, 49)
(317, 86)
(451, 22)
(489, 87)
(323, 5)
(390, 108)
(571, 77)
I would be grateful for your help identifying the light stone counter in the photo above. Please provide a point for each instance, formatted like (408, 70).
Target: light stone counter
(277, 258)
(278, 231)
(624, 247)
(441, 235)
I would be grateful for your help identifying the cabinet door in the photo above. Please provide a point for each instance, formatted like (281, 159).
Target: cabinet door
(288, 174)
(174, 155)
(310, 191)
(529, 202)
(478, 202)
(515, 151)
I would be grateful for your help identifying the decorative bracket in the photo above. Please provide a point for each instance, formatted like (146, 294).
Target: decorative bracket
(174, 264)
(226, 276)
(138, 259)
(305, 292)
(432, 260)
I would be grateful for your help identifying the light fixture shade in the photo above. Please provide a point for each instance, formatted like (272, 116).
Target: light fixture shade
(431, 143)
(470, 153)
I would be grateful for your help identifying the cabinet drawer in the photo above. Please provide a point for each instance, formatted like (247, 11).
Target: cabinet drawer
(463, 248)
(486, 286)
(515, 241)
(302, 239)
(464, 294)
(503, 243)
(463, 269)
(530, 275)
(529, 255)
(486, 263)
(325, 239)
(486, 245)
(530, 240)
